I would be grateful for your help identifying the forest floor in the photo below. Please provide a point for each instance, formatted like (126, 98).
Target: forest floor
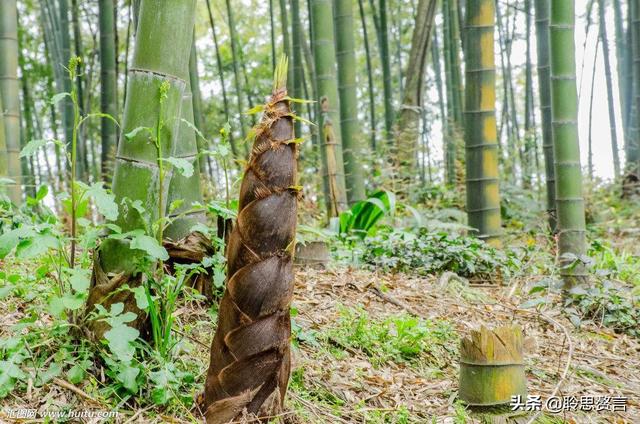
(355, 334)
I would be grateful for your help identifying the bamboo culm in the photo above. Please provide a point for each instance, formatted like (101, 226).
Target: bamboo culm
(564, 107)
(483, 193)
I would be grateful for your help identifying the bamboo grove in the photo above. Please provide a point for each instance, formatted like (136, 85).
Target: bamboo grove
(160, 107)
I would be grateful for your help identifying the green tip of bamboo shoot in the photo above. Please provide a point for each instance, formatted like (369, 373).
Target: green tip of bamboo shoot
(280, 74)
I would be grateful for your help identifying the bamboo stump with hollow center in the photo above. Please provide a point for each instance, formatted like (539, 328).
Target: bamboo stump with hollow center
(492, 366)
(250, 354)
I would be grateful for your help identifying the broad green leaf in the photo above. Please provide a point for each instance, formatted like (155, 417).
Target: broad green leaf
(141, 297)
(183, 166)
(160, 395)
(56, 307)
(134, 133)
(73, 302)
(120, 340)
(32, 148)
(58, 97)
(151, 246)
(105, 201)
(127, 376)
(10, 239)
(37, 245)
(75, 374)
(80, 280)
(54, 370)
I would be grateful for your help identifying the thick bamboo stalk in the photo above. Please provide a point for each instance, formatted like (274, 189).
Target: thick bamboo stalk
(483, 193)
(492, 365)
(349, 125)
(328, 101)
(10, 93)
(138, 176)
(185, 189)
(108, 86)
(564, 107)
(544, 83)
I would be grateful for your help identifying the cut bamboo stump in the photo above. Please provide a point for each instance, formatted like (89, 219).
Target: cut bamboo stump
(492, 366)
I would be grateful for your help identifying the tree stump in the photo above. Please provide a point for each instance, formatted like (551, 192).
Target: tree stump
(492, 366)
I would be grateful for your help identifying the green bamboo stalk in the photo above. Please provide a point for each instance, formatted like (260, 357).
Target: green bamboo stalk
(456, 70)
(286, 39)
(396, 31)
(449, 121)
(529, 128)
(108, 84)
(64, 40)
(297, 67)
(83, 170)
(328, 101)
(383, 41)
(223, 84)
(157, 81)
(27, 165)
(507, 118)
(370, 91)
(185, 189)
(10, 94)
(564, 107)
(449, 171)
(622, 56)
(349, 125)
(609, 81)
(591, 98)
(544, 83)
(633, 145)
(273, 35)
(483, 193)
(4, 156)
(236, 68)
(408, 135)
(196, 105)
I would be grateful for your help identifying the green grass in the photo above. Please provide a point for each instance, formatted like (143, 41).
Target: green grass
(400, 338)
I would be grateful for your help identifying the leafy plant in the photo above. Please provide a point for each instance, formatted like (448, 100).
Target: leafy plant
(364, 215)
(426, 253)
